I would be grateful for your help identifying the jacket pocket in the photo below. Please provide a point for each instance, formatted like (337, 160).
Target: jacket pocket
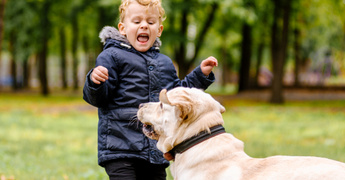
(124, 135)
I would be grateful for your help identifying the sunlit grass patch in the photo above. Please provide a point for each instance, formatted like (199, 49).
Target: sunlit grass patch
(48, 138)
(56, 137)
(296, 128)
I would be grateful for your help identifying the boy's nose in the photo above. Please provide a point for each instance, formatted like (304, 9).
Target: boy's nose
(143, 25)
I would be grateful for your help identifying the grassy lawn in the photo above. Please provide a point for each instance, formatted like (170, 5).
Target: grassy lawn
(48, 138)
(56, 137)
(315, 128)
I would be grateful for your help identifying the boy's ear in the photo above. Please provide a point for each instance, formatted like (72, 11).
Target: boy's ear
(160, 30)
(122, 28)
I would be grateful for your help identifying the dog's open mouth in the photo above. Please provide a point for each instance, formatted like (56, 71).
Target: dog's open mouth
(149, 131)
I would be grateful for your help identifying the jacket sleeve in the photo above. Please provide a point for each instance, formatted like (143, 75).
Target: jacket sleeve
(197, 79)
(98, 94)
(94, 94)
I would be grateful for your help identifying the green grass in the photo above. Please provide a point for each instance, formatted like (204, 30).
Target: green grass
(48, 138)
(56, 137)
(315, 128)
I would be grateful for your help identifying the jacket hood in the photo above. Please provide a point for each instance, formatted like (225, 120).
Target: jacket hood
(109, 32)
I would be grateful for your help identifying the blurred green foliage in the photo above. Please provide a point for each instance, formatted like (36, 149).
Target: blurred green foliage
(321, 27)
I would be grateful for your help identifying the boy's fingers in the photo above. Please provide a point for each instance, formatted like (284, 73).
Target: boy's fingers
(103, 70)
(101, 73)
(100, 77)
(216, 62)
(94, 80)
(212, 61)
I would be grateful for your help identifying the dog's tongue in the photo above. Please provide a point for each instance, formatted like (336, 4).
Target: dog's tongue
(143, 38)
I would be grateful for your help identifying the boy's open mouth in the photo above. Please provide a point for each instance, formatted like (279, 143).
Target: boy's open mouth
(143, 37)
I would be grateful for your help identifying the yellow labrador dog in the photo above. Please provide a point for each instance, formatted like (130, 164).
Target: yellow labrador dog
(188, 126)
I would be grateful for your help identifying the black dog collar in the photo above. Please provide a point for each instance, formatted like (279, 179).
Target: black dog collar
(202, 136)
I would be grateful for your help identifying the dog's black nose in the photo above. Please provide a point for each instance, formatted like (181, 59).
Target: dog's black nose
(141, 105)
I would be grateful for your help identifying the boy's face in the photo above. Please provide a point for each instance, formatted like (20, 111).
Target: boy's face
(141, 26)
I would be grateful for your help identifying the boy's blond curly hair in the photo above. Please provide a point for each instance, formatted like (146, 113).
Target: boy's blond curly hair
(148, 3)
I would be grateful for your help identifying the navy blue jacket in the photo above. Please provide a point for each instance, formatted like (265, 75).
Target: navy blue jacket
(134, 78)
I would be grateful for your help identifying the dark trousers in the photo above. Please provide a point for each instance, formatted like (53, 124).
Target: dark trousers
(134, 169)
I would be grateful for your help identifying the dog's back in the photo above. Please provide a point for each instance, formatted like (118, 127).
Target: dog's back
(222, 157)
(295, 167)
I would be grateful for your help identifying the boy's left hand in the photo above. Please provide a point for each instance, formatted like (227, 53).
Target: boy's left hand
(208, 64)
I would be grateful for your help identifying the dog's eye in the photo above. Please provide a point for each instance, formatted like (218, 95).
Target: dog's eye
(161, 104)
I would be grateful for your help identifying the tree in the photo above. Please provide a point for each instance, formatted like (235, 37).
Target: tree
(63, 57)
(246, 53)
(20, 34)
(2, 12)
(279, 42)
(75, 39)
(246, 50)
(297, 53)
(60, 29)
(260, 36)
(13, 50)
(45, 28)
(101, 14)
(186, 46)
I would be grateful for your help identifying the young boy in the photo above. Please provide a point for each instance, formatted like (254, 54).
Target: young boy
(130, 71)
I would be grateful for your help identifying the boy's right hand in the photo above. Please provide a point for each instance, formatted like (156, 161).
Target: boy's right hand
(99, 75)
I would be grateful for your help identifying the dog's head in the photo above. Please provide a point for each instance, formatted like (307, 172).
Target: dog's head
(180, 114)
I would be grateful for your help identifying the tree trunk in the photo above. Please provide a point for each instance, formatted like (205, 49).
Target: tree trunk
(276, 94)
(63, 67)
(13, 60)
(279, 48)
(89, 53)
(42, 54)
(225, 66)
(261, 46)
(42, 66)
(259, 62)
(246, 52)
(298, 59)
(14, 73)
(180, 51)
(26, 72)
(75, 39)
(2, 12)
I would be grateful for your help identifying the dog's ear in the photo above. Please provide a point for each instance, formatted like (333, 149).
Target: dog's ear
(163, 97)
(181, 100)
(185, 109)
(184, 102)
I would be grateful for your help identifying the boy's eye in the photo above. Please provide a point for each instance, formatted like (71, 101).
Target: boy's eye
(136, 21)
(151, 21)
